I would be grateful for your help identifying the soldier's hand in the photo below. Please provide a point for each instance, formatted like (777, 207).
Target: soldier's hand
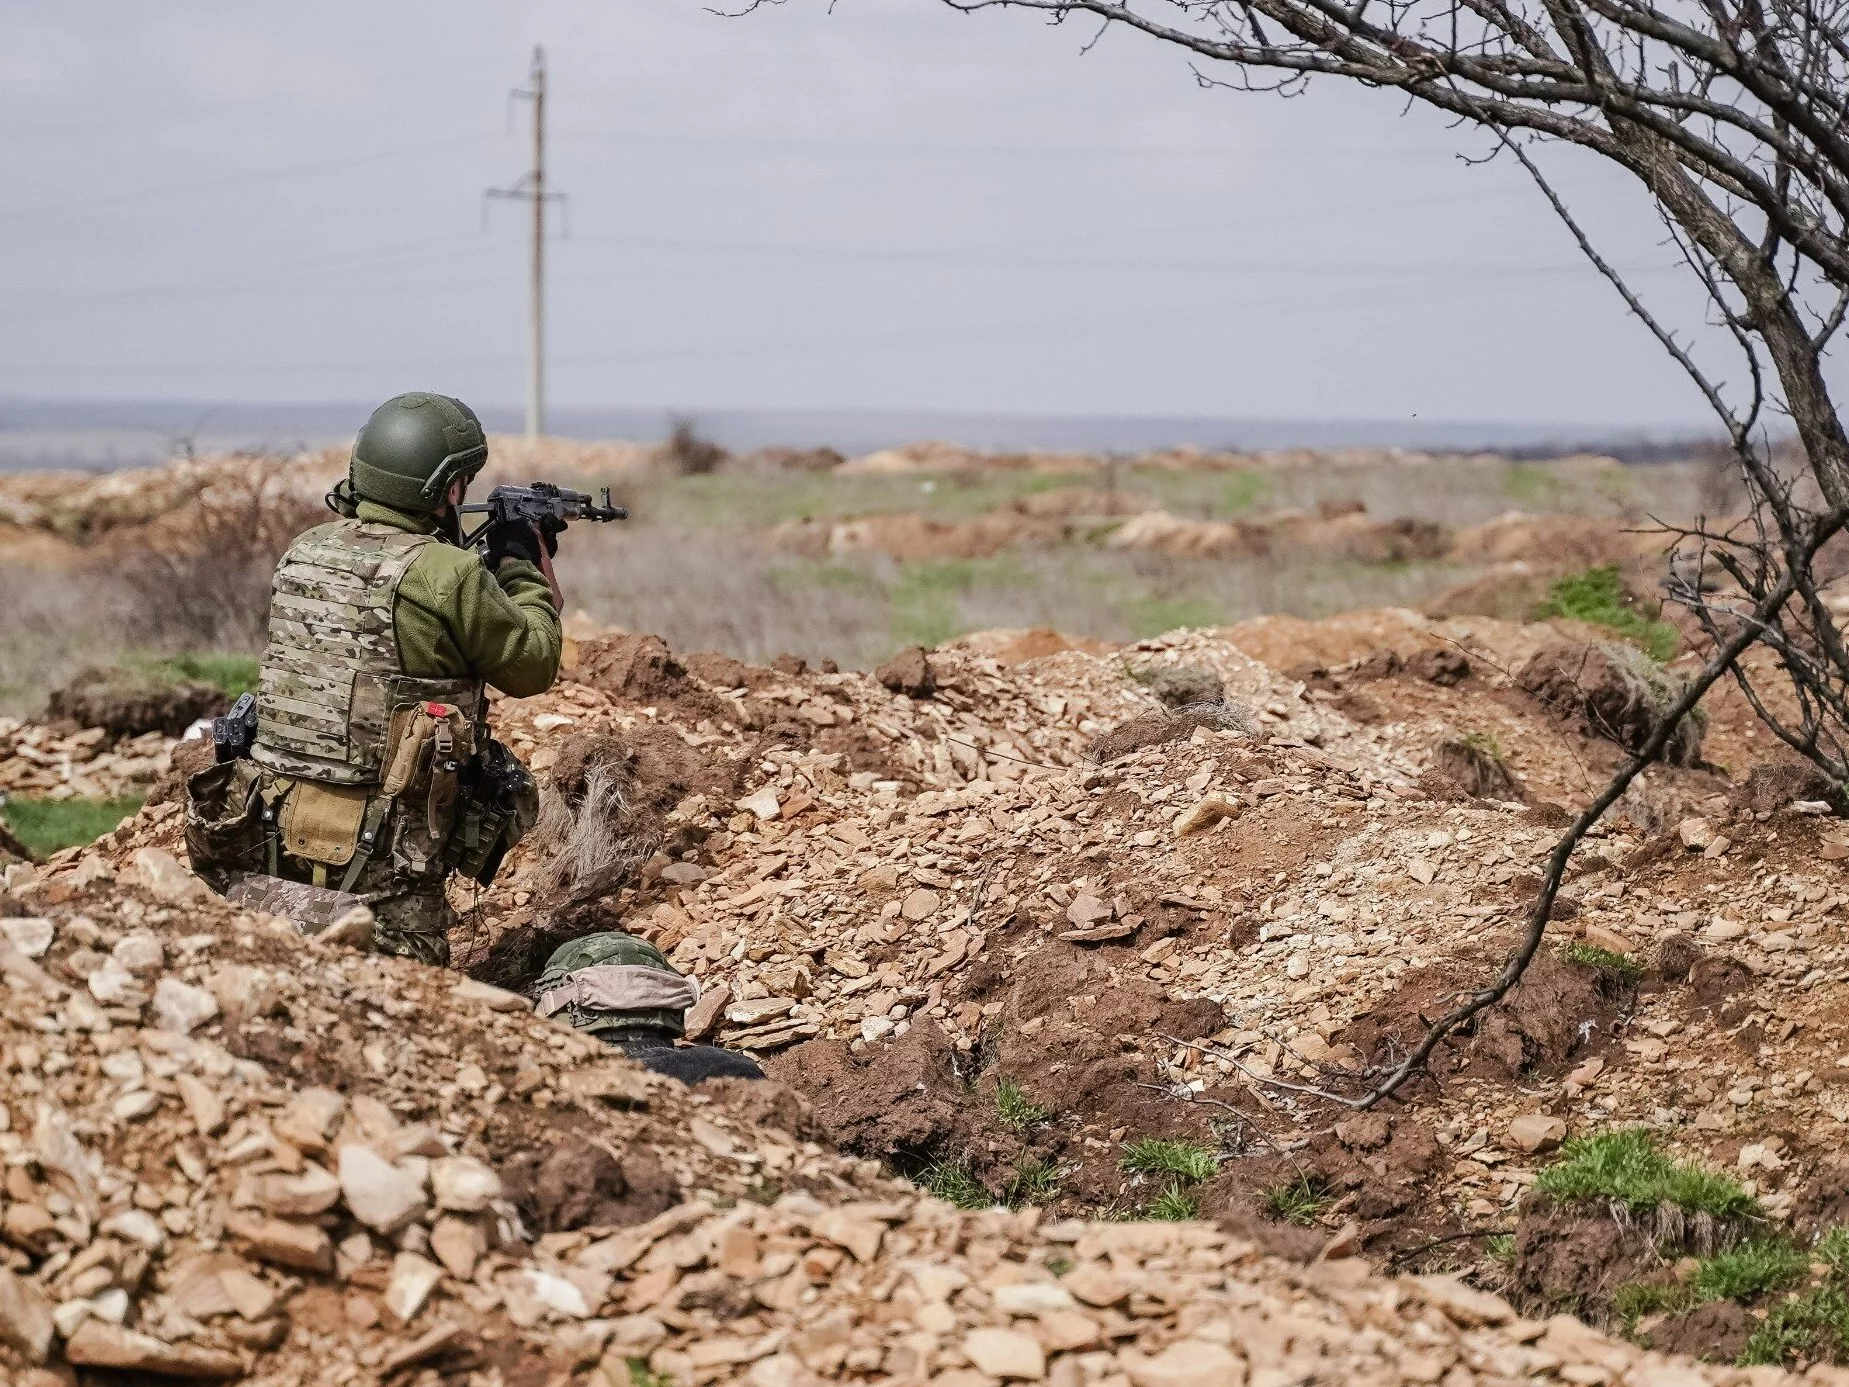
(517, 539)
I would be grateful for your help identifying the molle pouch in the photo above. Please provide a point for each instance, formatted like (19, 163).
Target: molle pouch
(500, 802)
(321, 823)
(223, 827)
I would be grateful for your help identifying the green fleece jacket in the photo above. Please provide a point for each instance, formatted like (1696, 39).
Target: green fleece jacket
(455, 619)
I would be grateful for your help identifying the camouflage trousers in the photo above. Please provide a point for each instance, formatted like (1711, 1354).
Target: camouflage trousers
(411, 915)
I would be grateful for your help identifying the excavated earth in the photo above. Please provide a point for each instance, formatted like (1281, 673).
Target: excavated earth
(1014, 861)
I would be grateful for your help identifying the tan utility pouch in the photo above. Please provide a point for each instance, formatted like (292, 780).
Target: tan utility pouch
(321, 823)
(428, 745)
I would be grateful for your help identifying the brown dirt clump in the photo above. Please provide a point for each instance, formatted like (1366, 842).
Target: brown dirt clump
(909, 673)
(582, 1184)
(1713, 1333)
(1772, 785)
(636, 667)
(1440, 665)
(905, 1098)
(1478, 770)
(128, 702)
(1614, 691)
(1558, 1012)
(1574, 1260)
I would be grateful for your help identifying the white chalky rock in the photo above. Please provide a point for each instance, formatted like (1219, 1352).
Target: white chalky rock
(763, 804)
(383, 1196)
(112, 984)
(1187, 1363)
(141, 953)
(555, 1293)
(1005, 1353)
(179, 1006)
(413, 1279)
(160, 871)
(29, 935)
(463, 1184)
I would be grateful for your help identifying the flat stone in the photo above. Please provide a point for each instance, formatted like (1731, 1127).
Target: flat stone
(1695, 833)
(383, 1196)
(762, 804)
(463, 1184)
(1095, 1286)
(1032, 1298)
(313, 1191)
(1203, 814)
(299, 1246)
(556, 1293)
(1464, 1305)
(458, 1243)
(99, 1344)
(1533, 1132)
(1186, 1363)
(1087, 910)
(759, 1010)
(30, 935)
(203, 1104)
(311, 1119)
(1099, 934)
(1006, 1353)
(413, 1279)
(703, 1016)
(1719, 931)
(920, 904)
(494, 998)
(141, 953)
(25, 1317)
(429, 1345)
(860, 1236)
(250, 1295)
(161, 873)
(181, 1007)
(684, 874)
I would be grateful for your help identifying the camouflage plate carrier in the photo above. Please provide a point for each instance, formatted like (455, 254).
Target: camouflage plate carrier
(330, 675)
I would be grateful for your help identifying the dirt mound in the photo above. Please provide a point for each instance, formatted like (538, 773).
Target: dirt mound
(1558, 1014)
(1477, 770)
(1615, 691)
(127, 702)
(1508, 592)
(1555, 542)
(1574, 1260)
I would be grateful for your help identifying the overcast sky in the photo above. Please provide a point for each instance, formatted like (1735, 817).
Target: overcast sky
(893, 206)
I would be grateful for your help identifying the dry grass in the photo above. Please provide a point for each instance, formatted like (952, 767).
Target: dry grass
(692, 566)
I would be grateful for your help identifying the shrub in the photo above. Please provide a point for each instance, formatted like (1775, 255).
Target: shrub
(687, 453)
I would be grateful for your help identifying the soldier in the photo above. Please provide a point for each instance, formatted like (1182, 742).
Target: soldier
(621, 989)
(371, 775)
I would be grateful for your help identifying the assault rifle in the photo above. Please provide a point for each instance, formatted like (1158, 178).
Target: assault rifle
(548, 508)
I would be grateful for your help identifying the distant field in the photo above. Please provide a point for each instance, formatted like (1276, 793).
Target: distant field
(700, 566)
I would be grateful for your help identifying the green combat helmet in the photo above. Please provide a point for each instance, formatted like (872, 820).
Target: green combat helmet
(410, 451)
(616, 983)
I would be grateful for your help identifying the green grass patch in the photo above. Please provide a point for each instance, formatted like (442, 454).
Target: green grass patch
(1533, 484)
(641, 1375)
(1185, 1160)
(1243, 490)
(1016, 1111)
(926, 595)
(1814, 1326)
(1752, 1269)
(1500, 1248)
(232, 674)
(1617, 967)
(1597, 596)
(952, 1181)
(1173, 1205)
(1626, 1166)
(1296, 1201)
(1151, 616)
(46, 826)
(1034, 1181)
(1484, 743)
(796, 576)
